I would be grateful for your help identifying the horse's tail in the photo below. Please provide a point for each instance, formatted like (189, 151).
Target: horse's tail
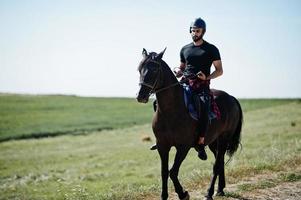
(235, 140)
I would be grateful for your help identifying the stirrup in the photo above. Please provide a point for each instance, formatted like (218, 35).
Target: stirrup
(202, 153)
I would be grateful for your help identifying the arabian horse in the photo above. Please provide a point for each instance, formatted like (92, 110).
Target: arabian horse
(173, 125)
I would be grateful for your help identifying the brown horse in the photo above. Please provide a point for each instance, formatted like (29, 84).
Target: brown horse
(173, 126)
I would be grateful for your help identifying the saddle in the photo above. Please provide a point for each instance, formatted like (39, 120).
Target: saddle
(197, 103)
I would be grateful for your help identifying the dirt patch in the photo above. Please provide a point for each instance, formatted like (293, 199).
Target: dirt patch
(283, 191)
(283, 185)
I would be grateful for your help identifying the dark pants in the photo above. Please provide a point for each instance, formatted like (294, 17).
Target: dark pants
(202, 102)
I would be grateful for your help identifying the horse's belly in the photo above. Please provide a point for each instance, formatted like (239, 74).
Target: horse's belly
(175, 135)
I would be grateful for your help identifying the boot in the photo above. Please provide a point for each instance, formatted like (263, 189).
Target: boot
(154, 147)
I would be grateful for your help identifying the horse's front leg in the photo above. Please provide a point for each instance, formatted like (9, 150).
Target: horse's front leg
(181, 154)
(164, 154)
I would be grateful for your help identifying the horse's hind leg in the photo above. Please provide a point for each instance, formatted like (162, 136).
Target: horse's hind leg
(221, 181)
(174, 171)
(221, 175)
(219, 152)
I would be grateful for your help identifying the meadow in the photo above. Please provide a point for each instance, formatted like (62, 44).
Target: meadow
(115, 162)
(33, 116)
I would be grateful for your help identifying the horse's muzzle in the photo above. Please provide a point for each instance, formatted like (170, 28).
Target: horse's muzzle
(142, 99)
(143, 94)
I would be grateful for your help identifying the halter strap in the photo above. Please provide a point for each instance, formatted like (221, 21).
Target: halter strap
(153, 90)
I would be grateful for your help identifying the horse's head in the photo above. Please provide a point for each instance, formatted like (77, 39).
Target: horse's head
(150, 70)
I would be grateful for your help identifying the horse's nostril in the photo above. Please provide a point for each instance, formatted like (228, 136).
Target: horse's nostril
(141, 98)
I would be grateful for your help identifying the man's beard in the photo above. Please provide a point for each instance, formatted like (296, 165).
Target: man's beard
(197, 38)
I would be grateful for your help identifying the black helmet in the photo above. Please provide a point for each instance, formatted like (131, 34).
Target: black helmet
(198, 23)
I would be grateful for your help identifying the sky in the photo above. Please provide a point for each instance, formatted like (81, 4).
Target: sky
(93, 47)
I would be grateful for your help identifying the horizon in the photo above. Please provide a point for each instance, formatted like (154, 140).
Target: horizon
(125, 97)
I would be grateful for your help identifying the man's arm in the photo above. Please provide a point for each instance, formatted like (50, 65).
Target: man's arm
(218, 70)
(181, 68)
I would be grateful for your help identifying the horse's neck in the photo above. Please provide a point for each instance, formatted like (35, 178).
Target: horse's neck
(170, 100)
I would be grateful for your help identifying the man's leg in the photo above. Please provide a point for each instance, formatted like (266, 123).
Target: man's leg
(203, 128)
(201, 152)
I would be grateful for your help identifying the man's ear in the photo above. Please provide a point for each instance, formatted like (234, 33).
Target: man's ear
(144, 53)
(160, 55)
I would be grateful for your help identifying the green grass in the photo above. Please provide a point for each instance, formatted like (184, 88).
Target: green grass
(261, 185)
(31, 116)
(290, 177)
(233, 195)
(116, 164)
(28, 116)
(256, 104)
(270, 182)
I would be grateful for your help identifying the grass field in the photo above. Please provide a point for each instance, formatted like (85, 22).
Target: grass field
(116, 164)
(28, 116)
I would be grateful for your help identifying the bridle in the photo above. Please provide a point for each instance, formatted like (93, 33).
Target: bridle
(158, 78)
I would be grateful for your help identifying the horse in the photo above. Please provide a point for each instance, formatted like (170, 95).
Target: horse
(174, 127)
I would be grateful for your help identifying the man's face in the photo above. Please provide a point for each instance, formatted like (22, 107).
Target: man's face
(196, 34)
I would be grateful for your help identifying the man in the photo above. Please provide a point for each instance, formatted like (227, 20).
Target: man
(197, 58)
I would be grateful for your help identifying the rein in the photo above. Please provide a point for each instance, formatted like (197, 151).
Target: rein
(153, 87)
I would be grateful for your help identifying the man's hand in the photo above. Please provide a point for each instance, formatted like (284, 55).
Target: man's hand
(178, 72)
(201, 76)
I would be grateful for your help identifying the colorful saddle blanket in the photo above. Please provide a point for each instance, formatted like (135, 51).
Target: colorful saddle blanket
(203, 98)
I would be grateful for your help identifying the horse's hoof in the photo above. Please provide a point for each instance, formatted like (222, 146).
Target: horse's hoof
(220, 194)
(187, 197)
(208, 198)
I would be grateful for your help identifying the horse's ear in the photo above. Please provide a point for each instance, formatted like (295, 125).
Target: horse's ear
(144, 53)
(160, 55)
